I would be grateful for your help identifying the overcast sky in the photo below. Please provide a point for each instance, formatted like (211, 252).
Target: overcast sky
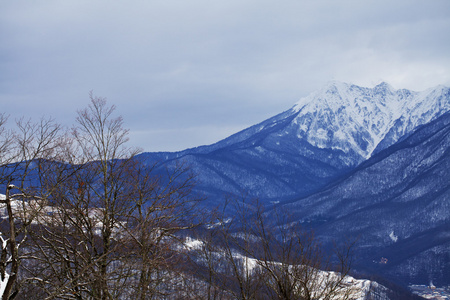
(191, 72)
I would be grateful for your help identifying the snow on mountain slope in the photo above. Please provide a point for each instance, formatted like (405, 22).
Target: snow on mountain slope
(396, 203)
(348, 117)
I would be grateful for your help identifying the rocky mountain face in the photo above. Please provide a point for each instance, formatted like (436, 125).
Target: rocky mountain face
(359, 120)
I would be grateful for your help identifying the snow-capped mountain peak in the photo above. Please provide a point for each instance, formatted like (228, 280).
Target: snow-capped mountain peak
(351, 118)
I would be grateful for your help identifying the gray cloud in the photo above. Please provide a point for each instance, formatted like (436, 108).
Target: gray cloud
(186, 73)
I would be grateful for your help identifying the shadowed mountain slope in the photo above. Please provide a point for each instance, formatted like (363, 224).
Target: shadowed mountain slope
(397, 204)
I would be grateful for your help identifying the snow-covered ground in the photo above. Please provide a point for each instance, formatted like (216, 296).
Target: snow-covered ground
(360, 289)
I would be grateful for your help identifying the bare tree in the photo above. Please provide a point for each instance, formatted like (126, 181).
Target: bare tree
(6, 143)
(77, 245)
(266, 257)
(224, 267)
(162, 206)
(102, 140)
(23, 154)
(293, 264)
(112, 228)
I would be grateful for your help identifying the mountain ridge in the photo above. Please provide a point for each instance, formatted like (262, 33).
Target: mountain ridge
(366, 115)
(336, 97)
(304, 148)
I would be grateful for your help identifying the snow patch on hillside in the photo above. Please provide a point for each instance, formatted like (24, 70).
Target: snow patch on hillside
(393, 237)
